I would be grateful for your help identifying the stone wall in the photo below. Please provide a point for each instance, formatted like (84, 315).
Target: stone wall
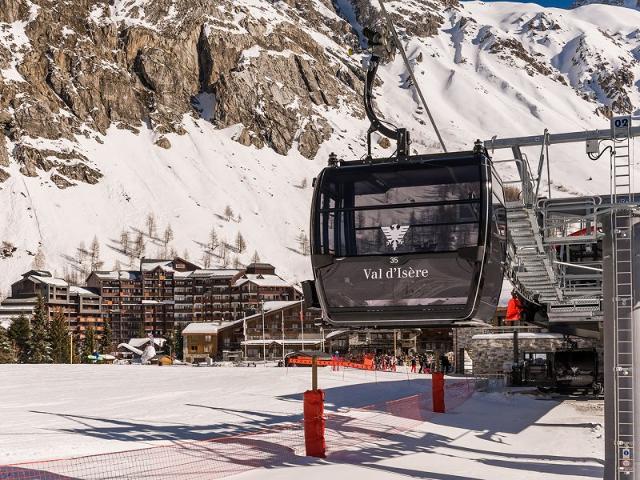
(491, 348)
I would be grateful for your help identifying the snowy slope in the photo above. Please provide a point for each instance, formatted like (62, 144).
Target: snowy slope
(60, 411)
(495, 68)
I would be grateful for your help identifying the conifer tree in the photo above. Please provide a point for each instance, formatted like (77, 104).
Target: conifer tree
(124, 241)
(169, 346)
(151, 225)
(214, 242)
(241, 245)
(106, 340)
(94, 254)
(39, 260)
(19, 333)
(77, 347)
(167, 236)
(303, 242)
(224, 255)
(88, 344)
(228, 213)
(139, 246)
(255, 257)
(7, 353)
(38, 345)
(142, 332)
(59, 338)
(179, 344)
(206, 258)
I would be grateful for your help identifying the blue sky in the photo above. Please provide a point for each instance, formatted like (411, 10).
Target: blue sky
(553, 3)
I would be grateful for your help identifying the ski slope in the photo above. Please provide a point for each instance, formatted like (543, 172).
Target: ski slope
(60, 411)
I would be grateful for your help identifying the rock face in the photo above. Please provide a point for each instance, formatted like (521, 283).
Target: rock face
(82, 67)
(278, 69)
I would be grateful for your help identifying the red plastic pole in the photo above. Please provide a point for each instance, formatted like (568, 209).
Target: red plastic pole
(314, 423)
(437, 388)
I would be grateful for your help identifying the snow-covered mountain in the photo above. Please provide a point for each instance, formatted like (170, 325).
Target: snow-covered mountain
(617, 3)
(114, 110)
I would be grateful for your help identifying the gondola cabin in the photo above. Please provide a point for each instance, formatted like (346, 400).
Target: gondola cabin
(414, 242)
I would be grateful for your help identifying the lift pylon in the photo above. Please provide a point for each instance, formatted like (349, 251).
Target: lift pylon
(613, 287)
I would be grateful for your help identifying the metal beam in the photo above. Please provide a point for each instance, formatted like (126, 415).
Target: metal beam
(571, 137)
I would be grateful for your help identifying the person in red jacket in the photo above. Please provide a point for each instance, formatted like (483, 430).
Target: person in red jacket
(514, 308)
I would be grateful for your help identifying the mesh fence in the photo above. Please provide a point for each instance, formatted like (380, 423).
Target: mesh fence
(280, 445)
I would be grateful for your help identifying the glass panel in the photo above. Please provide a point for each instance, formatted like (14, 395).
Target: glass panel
(386, 209)
(403, 230)
(400, 184)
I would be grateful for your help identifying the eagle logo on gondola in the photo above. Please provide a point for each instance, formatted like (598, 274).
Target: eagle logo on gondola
(395, 235)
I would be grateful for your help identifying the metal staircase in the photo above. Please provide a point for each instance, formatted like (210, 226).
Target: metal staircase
(532, 268)
(621, 222)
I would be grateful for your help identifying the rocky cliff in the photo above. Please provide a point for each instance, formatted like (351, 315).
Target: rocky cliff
(108, 105)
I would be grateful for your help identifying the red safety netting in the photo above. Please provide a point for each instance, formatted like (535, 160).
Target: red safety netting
(281, 445)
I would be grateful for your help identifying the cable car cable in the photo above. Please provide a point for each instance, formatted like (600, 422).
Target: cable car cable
(413, 78)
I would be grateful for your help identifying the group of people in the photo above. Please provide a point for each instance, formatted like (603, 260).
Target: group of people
(426, 363)
(419, 362)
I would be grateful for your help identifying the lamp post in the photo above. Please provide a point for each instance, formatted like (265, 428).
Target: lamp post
(282, 320)
(302, 324)
(70, 340)
(264, 343)
(319, 324)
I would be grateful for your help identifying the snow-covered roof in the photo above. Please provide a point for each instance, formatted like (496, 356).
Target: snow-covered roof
(139, 342)
(277, 305)
(262, 280)
(58, 282)
(335, 333)
(147, 266)
(273, 306)
(221, 272)
(521, 336)
(82, 291)
(208, 328)
(118, 275)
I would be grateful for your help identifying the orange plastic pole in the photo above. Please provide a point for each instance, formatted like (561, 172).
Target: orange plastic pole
(437, 388)
(314, 423)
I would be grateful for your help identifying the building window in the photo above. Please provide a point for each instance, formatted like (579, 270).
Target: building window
(194, 348)
(207, 338)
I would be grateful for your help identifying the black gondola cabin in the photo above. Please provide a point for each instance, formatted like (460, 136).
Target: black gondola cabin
(417, 242)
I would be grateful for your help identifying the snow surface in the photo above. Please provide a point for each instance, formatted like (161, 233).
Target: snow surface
(472, 93)
(53, 411)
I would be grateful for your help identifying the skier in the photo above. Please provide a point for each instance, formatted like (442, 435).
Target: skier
(444, 362)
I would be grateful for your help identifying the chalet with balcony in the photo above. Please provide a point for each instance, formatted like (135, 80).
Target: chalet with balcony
(286, 328)
(210, 340)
